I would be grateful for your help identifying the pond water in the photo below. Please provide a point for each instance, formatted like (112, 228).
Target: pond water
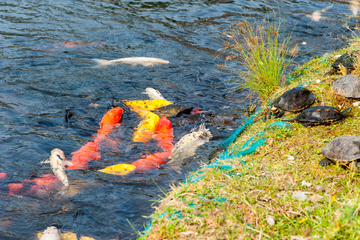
(47, 49)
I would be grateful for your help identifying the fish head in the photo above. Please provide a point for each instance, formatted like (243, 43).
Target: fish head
(51, 233)
(202, 134)
(57, 158)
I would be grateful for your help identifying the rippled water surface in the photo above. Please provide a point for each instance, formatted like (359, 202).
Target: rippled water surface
(45, 70)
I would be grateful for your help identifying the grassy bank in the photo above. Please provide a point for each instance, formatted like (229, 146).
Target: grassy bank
(260, 200)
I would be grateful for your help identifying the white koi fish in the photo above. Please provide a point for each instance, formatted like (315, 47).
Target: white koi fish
(316, 16)
(187, 146)
(58, 162)
(153, 94)
(133, 61)
(51, 233)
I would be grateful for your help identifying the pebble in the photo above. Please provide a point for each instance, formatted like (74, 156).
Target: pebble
(291, 158)
(300, 196)
(270, 220)
(356, 104)
(306, 184)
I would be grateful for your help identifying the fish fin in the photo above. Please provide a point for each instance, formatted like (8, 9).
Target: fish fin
(62, 192)
(101, 62)
(67, 163)
(176, 168)
(45, 161)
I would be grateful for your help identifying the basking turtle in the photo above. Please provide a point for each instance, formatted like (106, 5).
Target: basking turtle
(293, 100)
(345, 64)
(173, 110)
(345, 150)
(347, 86)
(320, 115)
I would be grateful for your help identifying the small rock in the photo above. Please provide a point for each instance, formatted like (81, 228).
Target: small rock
(270, 220)
(309, 209)
(356, 104)
(306, 184)
(291, 158)
(300, 196)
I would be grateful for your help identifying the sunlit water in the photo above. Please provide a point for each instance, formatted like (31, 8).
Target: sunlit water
(41, 78)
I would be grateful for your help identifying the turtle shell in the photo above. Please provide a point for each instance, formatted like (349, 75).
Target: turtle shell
(295, 99)
(319, 115)
(347, 86)
(347, 60)
(343, 149)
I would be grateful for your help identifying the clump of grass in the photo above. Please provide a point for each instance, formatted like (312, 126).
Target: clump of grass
(263, 51)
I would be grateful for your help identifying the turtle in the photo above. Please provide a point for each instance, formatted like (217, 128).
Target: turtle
(293, 100)
(173, 110)
(320, 115)
(345, 64)
(347, 86)
(345, 150)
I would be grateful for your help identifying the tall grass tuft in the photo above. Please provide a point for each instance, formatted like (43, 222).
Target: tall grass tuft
(263, 51)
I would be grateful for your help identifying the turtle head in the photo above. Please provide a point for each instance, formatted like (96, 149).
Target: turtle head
(343, 69)
(346, 112)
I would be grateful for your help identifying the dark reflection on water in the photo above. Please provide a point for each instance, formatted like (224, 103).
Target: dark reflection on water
(41, 78)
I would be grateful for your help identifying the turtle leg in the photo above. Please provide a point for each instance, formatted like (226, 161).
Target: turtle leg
(329, 73)
(279, 114)
(357, 165)
(306, 124)
(325, 162)
(267, 115)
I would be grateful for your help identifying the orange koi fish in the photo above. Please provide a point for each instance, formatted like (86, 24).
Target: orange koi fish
(197, 111)
(164, 134)
(91, 150)
(43, 183)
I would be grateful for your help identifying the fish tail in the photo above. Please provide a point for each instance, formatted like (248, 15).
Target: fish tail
(101, 62)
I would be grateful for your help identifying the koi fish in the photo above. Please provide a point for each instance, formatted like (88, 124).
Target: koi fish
(112, 117)
(76, 44)
(149, 105)
(133, 61)
(316, 16)
(165, 138)
(43, 183)
(164, 134)
(118, 169)
(58, 162)
(91, 150)
(146, 128)
(51, 233)
(187, 146)
(173, 110)
(153, 94)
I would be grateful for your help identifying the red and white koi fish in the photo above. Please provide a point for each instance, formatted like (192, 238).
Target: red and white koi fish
(51, 233)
